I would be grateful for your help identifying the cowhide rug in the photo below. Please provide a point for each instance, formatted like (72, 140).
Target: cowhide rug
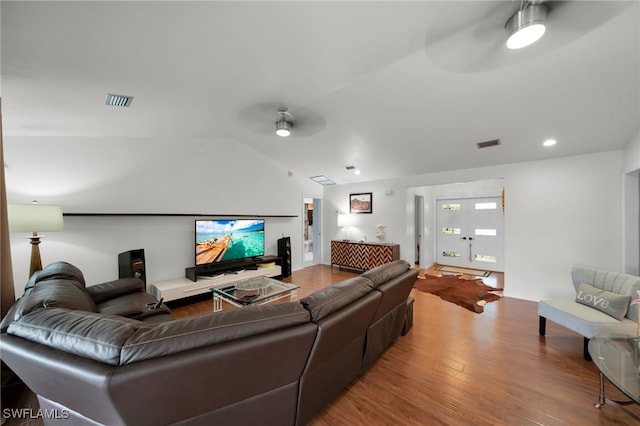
(463, 290)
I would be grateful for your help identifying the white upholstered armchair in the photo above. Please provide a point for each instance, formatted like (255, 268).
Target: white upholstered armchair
(602, 307)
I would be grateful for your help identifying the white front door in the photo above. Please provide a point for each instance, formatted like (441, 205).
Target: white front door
(470, 233)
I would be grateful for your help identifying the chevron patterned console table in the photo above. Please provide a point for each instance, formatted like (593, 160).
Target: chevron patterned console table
(364, 256)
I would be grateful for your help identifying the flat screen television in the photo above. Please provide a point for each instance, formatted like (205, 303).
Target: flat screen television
(221, 240)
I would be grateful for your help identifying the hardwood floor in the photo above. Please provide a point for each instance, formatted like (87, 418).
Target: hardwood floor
(456, 367)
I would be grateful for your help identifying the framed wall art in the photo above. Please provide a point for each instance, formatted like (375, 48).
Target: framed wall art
(361, 203)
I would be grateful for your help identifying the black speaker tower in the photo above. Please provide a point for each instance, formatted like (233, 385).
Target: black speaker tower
(284, 253)
(131, 264)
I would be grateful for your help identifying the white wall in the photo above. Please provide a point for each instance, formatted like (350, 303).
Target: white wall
(93, 244)
(631, 207)
(558, 213)
(219, 177)
(162, 175)
(631, 223)
(632, 155)
(388, 204)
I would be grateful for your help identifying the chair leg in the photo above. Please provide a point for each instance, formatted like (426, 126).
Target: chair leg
(542, 326)
(585, 350)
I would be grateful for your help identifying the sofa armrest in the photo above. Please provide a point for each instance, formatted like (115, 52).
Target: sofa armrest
(112, 289)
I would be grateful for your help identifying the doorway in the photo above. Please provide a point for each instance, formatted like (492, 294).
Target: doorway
(311, 231)
(469, 233)
(419, 224)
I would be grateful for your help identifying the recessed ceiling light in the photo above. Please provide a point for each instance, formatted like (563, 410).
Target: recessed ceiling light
(549, 142)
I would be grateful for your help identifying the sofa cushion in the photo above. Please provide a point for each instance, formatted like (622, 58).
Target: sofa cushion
(584, 320)
(195, 332)
(128, 305)
(58, 270)
(116, 288)
(55, 293)
(331, 299)
(383, 273)
(610, 303)
(89, 335)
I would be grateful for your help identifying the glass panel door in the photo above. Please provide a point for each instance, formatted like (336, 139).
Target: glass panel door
(470, 233)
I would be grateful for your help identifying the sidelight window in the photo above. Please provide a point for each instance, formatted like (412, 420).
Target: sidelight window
(450, 254)
(486, 232)
(486, 206)
(451, 207)
(485, 258)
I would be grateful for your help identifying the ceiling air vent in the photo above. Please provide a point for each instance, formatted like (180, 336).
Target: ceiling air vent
(487, 144)
(118, 100)
(353, 169)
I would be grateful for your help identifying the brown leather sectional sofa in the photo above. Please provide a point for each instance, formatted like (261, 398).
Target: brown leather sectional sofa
(99, 355)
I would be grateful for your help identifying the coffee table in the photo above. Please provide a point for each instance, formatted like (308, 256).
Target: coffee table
(253, 291)
(618, 359)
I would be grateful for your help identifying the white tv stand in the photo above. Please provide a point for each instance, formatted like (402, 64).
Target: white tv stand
(181, 288)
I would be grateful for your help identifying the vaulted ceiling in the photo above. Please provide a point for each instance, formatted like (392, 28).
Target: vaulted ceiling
(393, 88)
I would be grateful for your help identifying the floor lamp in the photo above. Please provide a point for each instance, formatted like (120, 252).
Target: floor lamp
(34, 218)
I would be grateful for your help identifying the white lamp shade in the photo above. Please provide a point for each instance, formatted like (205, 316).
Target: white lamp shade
(345, 220)
(34, 218)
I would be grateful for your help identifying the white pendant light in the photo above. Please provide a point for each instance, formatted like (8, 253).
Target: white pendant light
(283, 126)
(526, 26)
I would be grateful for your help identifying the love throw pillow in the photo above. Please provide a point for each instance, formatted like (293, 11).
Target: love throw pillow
(612, 304)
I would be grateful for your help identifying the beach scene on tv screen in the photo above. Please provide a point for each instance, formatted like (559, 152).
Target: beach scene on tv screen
(222, 240)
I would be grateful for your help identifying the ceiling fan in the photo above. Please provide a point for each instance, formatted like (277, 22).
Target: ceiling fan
(471, 36)
(271, 119)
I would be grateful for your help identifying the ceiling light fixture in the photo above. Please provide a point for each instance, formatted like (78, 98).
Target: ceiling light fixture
(284, 125)
(322, 180)
(549, 142)
(526, 26)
